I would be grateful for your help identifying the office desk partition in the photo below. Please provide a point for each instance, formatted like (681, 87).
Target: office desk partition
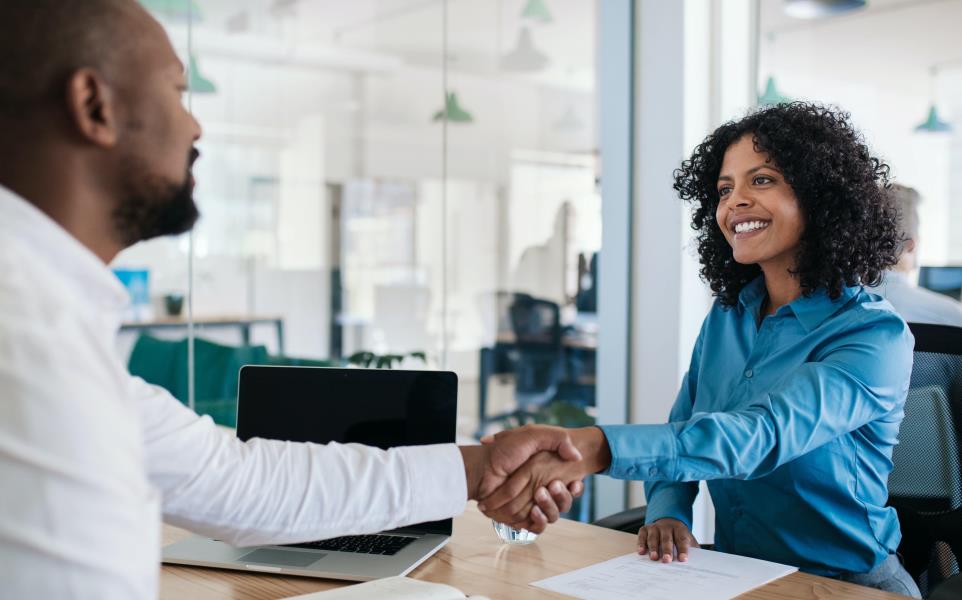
(476, 562)
(241, 323)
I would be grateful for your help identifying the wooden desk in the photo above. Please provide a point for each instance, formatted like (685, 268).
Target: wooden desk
(476, 562)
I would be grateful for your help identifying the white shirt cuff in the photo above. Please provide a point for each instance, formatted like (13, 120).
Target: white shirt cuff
(439, 489)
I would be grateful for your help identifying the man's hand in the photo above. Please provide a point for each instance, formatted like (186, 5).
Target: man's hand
(488, 466)
(659, 540)
(511, 502)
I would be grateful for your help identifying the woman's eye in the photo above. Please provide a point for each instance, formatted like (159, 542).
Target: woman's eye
(722, 192)
(762, 180)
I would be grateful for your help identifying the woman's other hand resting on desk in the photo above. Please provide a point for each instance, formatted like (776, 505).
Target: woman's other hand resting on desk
(659, 540)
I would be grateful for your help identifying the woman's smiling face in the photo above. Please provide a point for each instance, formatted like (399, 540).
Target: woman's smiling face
(758, 211)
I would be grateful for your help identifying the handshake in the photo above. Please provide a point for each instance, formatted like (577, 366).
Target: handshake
(525, 477)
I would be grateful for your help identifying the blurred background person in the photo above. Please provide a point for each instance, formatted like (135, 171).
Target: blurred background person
(899, 284)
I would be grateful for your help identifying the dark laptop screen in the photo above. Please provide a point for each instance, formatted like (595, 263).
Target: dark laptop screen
(376, 407)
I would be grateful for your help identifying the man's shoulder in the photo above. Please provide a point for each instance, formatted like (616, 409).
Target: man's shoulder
(919, 305)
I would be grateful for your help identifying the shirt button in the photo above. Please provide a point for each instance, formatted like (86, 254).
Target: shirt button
(653, 471)
(749, 373)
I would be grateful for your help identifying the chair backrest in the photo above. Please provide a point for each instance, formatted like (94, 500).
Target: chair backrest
(925, 486)
(539, 366)
(536, 322)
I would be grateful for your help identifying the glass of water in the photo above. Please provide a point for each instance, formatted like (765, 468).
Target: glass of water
(510, 535)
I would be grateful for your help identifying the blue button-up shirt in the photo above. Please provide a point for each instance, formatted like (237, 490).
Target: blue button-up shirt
(792, 423)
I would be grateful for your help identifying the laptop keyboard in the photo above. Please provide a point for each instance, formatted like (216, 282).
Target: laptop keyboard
(361, 544)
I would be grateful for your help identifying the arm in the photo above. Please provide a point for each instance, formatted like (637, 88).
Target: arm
(267, 491)
(859, 376)
(673, 499)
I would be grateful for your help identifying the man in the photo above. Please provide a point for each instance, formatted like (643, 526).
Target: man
(95, 156)
(913, 303)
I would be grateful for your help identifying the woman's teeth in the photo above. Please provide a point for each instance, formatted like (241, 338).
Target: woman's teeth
(750, 226)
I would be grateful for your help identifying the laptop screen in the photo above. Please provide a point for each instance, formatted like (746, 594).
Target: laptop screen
(376, 407)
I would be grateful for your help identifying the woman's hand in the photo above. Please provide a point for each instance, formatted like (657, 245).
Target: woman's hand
(659, 540)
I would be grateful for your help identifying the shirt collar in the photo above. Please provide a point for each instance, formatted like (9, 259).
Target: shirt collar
(811, 311)
(50, 242)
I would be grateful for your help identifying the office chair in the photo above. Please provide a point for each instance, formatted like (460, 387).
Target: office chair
(925, 486)
(539, 361)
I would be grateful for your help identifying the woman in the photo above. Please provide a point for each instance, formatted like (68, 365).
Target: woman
(792, 403)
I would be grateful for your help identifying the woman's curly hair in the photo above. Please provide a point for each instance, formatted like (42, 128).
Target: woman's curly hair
(851, 232)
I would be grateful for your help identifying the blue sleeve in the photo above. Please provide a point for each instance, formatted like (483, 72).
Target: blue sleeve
(672, 499)
(859, 376)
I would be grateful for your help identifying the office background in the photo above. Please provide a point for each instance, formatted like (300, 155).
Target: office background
(489, 184)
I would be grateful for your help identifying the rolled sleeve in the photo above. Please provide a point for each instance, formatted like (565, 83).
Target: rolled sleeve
(438, 488)
(642, 451)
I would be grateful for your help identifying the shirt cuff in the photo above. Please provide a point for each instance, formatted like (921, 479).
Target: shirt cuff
(670, 500)
(438, 486)
(646, 452)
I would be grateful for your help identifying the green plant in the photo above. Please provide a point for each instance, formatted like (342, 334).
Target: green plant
(368, 359)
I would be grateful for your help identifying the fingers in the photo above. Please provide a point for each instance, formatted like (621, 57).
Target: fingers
(682, 541)
(548, 503)
(561, 496)
(576, 488)
(667, 545)
(654, 542)
(643, 540)
(507, 492)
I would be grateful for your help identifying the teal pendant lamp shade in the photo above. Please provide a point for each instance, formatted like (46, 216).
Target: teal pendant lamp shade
(536, 10)
(197, 83)
(525, 57)
(771, 95)
(174, 9)
(933, 124)
(452, 111)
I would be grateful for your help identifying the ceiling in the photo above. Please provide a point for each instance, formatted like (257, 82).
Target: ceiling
(478, 33)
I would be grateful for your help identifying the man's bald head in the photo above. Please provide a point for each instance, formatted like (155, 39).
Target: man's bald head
(43, 41)
(91, 91)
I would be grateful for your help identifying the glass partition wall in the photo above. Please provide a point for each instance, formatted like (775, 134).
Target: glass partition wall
(389, 184)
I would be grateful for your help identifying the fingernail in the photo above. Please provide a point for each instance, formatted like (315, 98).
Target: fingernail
(666, 559)
(482, 507)
(542, 494)
(682, 557)
(654, 556)
(556, 487)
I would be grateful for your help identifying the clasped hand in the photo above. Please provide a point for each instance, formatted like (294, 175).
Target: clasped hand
(528, 476)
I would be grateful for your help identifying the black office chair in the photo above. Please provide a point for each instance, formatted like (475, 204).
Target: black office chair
(925, 486)
(539, 362)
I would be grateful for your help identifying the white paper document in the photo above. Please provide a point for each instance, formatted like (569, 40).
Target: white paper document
(705, 575)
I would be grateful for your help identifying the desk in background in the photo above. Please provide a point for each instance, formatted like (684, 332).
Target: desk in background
(242, 323)
(476, 562)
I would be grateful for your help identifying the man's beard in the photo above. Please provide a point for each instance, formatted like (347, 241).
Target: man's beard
(152, 207)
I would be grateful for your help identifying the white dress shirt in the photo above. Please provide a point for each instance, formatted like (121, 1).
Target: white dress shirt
(916, 304)
(91, 457)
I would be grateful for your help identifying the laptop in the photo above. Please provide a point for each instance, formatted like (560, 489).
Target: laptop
(376, 407)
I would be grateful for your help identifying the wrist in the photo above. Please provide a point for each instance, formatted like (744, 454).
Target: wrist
(593, 445)
(474, 459)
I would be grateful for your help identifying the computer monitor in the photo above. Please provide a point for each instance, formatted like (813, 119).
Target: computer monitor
(944, 280)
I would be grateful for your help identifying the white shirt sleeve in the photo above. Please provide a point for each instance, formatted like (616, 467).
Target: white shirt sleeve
(268, 491)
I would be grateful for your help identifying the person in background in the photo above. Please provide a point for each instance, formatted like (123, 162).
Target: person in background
(96, 156)
(915, 304)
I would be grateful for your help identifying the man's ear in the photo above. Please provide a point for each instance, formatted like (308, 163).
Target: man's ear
(91, 107)
(909, 246)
